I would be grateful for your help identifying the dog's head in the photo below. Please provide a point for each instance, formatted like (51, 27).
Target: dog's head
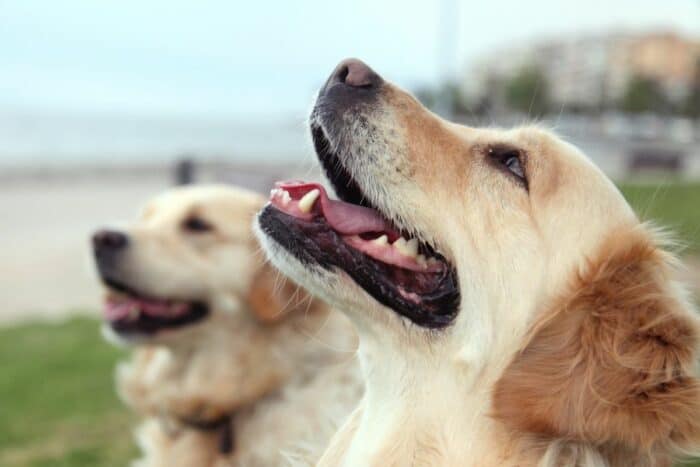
(190, 254)
(473, 245)
(439, 222)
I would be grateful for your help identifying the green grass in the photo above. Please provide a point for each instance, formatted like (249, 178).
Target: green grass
(57, 401)
(673, 205)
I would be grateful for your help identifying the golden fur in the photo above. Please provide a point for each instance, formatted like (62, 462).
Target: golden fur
(573, 344)
(613, 363)
(267, 355)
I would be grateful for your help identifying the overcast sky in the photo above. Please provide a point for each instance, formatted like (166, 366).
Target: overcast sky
(234, 58)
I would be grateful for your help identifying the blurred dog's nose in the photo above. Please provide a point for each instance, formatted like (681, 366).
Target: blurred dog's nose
(356, 74)
(109, 241)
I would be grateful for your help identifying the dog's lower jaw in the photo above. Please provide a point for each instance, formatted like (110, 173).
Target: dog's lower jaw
(415, 411)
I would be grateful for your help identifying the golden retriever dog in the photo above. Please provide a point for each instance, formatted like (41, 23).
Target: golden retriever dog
(231, 366)
(512, 309)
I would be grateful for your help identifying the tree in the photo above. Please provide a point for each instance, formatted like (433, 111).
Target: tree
(691, 106)
(644, 95)
(528, 91)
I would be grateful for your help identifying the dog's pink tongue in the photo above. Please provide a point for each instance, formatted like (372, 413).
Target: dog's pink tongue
(346, 218)
(114, 311)
(120, 309)
(351, 219)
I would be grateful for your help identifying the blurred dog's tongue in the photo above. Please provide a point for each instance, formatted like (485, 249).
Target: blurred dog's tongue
(346, 218)
(116, 309)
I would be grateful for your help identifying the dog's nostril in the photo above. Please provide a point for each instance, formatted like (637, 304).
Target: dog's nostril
(109, 240)
(356, 74)
(342, 74)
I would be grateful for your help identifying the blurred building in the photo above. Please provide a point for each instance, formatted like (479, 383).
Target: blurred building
(668, 58)
(591, 71)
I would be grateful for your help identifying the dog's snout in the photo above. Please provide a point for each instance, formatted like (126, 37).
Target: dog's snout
(109, 241)
(356, 74)
(351, 83)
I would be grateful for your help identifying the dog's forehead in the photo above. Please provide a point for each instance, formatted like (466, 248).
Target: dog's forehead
(533, 139)
(169, 205)
(213, 202)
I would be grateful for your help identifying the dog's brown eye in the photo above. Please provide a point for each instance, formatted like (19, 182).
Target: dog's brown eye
(513, 164)
(510, 160)
(196, 225)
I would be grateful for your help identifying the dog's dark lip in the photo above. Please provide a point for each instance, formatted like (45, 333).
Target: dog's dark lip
(125, 289)
(150, 325)
(433, 301)
(315, 244)
(147, 325)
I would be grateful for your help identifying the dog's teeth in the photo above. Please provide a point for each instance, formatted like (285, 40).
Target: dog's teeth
(286, 198)
(406, 248)
(307, 202)
(412, 247)
(432, 262)
(420, 259)
(381, 241)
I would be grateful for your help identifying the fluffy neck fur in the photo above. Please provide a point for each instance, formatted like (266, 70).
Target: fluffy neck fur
(208, 374)
(418, 412)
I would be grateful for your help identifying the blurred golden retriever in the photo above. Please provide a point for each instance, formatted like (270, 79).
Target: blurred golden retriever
(232, 366)
(512, 309)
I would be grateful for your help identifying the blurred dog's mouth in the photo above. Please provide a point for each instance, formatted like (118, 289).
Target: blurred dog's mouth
(398, 271)
(131, 313)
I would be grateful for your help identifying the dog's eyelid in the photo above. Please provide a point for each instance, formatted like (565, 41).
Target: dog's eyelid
(503, 152)
(510, 159)
(196, 224)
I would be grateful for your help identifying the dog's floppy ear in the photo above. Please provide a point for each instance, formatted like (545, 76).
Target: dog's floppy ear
(613, 363)
(272, 296)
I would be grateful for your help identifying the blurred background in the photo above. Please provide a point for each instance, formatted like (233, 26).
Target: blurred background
(104, 104)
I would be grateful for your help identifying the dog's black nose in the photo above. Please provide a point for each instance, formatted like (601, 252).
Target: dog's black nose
(109, 241)
(356, 74)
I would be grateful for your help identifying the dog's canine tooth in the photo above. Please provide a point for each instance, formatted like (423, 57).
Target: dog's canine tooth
(286, 198)
(308, 200)
(381, 241)
(420, 259)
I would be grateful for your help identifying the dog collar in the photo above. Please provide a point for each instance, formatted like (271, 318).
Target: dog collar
(223, 425)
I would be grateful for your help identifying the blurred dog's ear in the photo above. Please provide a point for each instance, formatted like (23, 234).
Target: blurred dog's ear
(272, 296)
(613, 363)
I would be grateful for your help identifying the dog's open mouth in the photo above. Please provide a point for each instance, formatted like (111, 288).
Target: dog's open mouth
(400, 272)
(128, 312)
